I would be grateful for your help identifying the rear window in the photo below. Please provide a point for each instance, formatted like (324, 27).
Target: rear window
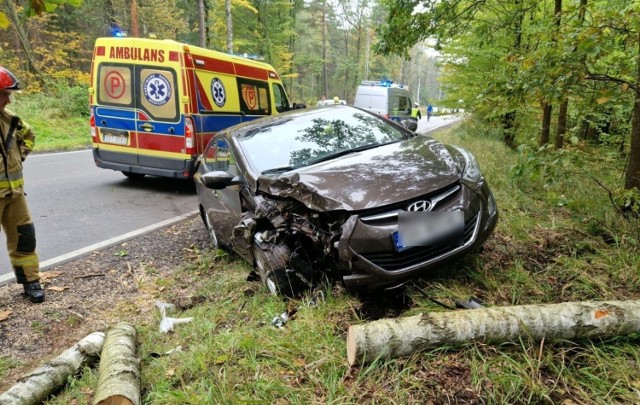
(115, 84)
(157, 92)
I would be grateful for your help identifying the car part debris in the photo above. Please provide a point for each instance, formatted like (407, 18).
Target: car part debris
(166, 323)
(472, 303)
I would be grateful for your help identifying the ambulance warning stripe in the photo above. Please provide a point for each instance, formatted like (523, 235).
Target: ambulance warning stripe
(230, 68)
(202, 97)
(159, 142)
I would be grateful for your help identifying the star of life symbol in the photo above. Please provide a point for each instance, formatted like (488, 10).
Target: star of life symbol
(157, 89)
(218, 93)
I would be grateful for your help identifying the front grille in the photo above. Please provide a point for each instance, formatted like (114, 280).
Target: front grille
(390, 212)
(393, 261)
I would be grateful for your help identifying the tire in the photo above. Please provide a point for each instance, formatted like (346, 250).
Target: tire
(134, 176)
(272, 268)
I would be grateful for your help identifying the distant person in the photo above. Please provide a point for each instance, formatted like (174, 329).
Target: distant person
(415, 112)
(16, 143)
(429, 111)
(336, 100)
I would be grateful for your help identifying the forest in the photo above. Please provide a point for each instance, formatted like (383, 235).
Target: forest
(541, 73)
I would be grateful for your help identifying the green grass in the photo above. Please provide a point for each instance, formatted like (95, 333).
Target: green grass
(56, 120)
(542, 251)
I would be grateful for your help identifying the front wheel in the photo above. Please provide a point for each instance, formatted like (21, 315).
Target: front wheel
(272, 268)
(134, 176)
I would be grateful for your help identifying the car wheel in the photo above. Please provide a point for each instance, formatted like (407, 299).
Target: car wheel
(212, 233)
(271, 267)
(134, 176)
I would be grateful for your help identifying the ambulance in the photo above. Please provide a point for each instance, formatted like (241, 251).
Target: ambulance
(155, 104)
(384, 98)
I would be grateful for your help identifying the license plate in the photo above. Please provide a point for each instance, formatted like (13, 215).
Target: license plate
(117, 139)
(437, 228)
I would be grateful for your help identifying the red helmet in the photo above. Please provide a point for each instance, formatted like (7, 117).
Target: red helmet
(8, 81)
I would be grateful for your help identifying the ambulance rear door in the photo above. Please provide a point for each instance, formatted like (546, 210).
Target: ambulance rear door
(115, 113)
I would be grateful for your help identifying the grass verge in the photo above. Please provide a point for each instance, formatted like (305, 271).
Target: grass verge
(556, 241)
(55, 119)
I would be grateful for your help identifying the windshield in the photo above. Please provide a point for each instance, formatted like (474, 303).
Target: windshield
(313, 136)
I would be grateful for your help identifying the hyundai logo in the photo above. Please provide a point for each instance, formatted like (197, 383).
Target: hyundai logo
(422, 205)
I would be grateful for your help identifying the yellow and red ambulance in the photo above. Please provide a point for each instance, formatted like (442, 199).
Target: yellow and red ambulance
(155, 104)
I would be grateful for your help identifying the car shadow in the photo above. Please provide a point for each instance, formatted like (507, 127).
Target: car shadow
(160, 185)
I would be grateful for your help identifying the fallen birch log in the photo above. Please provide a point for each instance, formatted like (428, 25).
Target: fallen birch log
(392, 338)
(36, 386)
(119, 375)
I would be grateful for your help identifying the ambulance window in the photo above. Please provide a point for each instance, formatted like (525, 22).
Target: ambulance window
(157, 93)
(255, 97)
(114, 85)
(404, 104)
(282, 104)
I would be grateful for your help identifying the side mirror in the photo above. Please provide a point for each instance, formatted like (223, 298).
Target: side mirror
(219, 180)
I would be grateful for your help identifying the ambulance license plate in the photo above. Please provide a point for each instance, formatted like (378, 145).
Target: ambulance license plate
(117, 139)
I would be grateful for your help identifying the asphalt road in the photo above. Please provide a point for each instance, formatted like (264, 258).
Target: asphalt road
(74, 204)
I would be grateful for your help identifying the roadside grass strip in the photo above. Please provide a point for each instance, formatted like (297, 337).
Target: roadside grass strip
(556, 241)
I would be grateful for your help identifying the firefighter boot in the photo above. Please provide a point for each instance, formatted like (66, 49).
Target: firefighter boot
(34, 291)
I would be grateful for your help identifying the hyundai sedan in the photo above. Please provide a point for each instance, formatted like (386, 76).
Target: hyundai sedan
(343, 195)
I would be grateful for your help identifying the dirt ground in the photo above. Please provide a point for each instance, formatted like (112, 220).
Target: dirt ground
(89, 293)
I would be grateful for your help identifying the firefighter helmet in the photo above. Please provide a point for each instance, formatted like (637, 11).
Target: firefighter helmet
(8, 81)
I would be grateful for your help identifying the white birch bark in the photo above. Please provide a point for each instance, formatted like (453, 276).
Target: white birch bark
(36, 386)
(392, 338)
(119, 376)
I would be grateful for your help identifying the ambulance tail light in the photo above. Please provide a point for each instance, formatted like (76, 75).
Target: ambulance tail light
(92, 125)
(189, 135)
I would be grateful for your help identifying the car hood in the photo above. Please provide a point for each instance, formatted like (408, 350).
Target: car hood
(369, 179)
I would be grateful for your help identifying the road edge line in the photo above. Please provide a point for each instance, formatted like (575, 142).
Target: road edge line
(67, 257)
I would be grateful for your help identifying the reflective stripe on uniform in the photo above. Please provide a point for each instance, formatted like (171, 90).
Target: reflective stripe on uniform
(30, 260)
(8, 184)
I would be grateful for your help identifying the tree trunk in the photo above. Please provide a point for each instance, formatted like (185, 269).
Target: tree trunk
(561, 129)
(227, 7)
(546, 124)
(508, 129)
(36, 386)
(392, 338)
(202, 38)
(135, 31)
(632, 176)
(325, 82)
(119, 378)
(24, 41)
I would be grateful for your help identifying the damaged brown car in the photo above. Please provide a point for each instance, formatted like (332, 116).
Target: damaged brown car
(343, 195)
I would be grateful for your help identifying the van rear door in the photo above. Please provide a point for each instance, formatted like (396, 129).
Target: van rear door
(159, 125)
(115, 115)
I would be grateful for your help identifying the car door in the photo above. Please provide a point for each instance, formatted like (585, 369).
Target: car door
(221, 207)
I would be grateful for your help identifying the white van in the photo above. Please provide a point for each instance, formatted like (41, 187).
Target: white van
(384, 98)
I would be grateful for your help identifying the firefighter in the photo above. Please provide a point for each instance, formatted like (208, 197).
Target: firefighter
(15, 144)
(415, 111)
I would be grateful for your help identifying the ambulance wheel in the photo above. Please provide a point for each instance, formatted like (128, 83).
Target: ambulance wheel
(134, 176)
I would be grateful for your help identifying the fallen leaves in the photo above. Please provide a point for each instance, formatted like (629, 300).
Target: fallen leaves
(4, 315)
(57, 289)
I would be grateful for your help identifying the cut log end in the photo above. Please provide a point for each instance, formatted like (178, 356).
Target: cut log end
(351, 346)
(116, 400)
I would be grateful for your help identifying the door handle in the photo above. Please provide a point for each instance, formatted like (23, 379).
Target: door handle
(146, 126)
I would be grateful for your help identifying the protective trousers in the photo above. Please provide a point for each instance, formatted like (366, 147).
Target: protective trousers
(21, 237)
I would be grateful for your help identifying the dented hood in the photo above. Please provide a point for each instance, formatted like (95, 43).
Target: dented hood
(369, 179)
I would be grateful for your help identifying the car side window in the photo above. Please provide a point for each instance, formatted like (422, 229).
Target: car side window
(218, 157)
